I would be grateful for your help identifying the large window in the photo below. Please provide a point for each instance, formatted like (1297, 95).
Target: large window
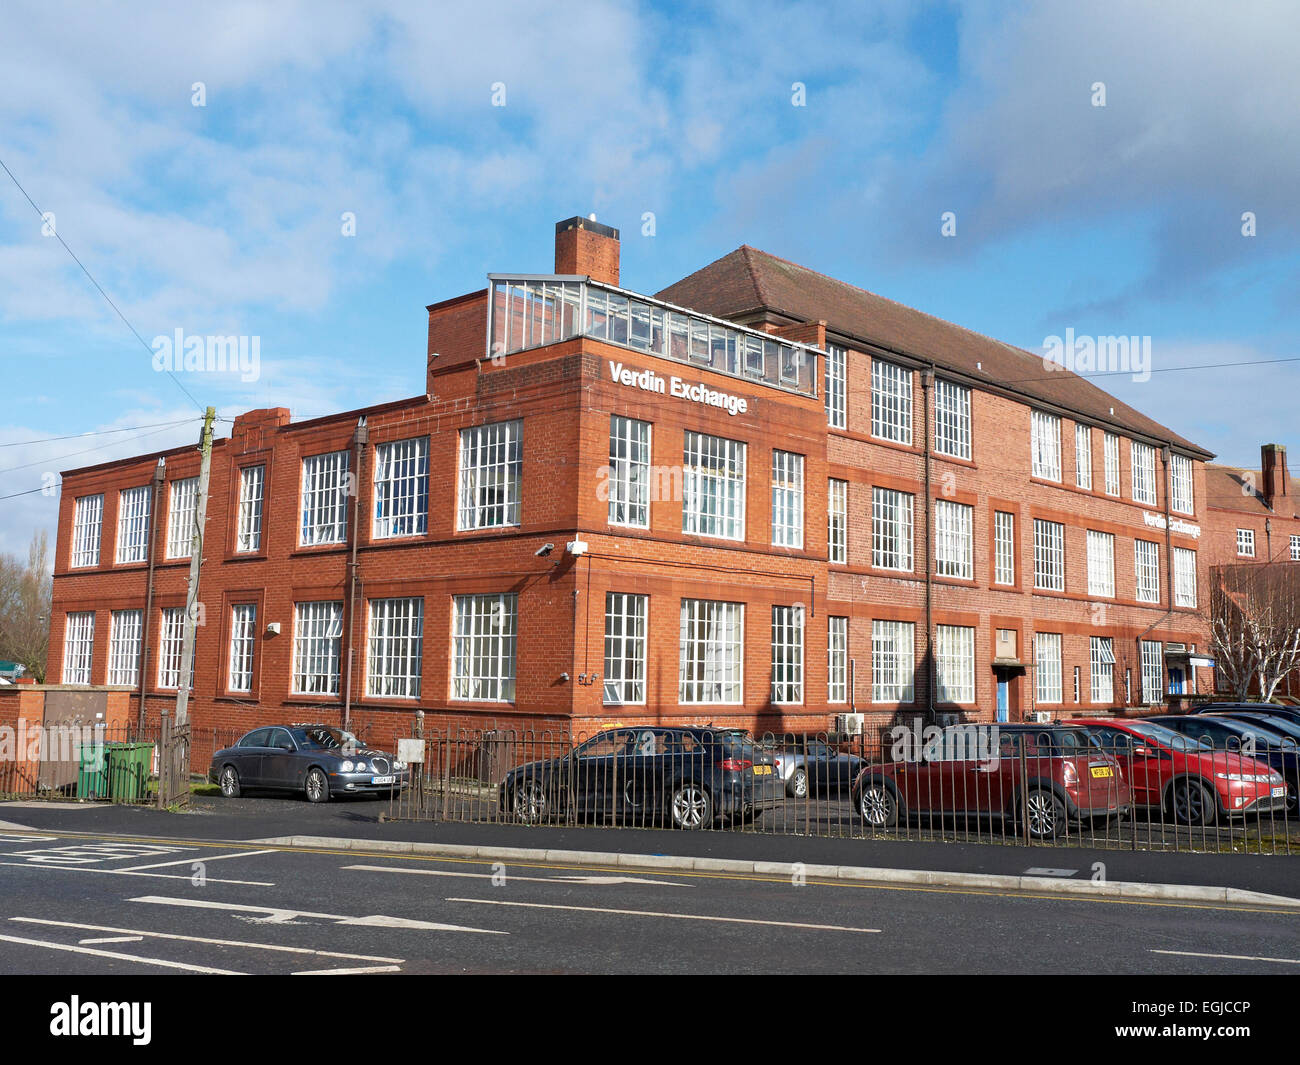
(124, 647)
(1101, 563)
(1083, 457)
(713, 486)
(891, 402)
(1144, 473)
(837, 660)
(955, 663)
(484, 647)
(629, 472)
(836, 366)
(133, 525)
(1049, 555)
(625, 642)
(951, 419)
(1047, 667)
(393, 663)
(317, 635)
(1101, 652)
(243, 636)
(787, 654)
(1295, 548)
(491, 473)
(837, 520)
(1045, 444)
(787, 499)
(893, 655)
(78, 647)
(1246, 542)
(1146, 565)
(1004, 547)
(1184, 577)
(252, 487)
(891, 529)
(1110, 445)
(402, 488)
(181, 512)
(711, 652)
(953, 542)
(87, 521)
(324, 499)
(1153, 671)
(1180, 484)
(171, 646)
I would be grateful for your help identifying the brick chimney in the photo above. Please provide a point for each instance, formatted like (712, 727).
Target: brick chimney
(1275, 484)
(252, 428)
(584, 246)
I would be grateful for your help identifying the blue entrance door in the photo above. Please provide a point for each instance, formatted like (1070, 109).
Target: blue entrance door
(1175, 680)
(1004, 697)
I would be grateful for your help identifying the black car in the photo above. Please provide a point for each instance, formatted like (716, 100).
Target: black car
(1287, 713)
(1253, 738)
(809, 765)
(317, 760)
(689, 777)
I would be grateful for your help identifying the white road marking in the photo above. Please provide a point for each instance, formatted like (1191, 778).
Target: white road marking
(1228, 957)
(112, 939)
(124, 872)
(512, 876)
(7, 825)
(206, 939)
(277, 914)
(119, 957)
(351, 972)
(1039, 871)
(670, 916)
(197, 858)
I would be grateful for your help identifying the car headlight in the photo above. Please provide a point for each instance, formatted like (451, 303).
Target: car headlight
(361, 767)
(346, 767)
(1247, 778)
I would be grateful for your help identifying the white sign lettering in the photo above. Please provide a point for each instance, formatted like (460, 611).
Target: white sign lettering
(1175, 524)
(649, 381)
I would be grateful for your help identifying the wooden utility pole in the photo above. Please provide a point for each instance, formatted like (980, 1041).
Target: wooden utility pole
(196, 565)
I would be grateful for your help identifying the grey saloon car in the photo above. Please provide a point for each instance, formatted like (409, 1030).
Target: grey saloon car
(317, 760)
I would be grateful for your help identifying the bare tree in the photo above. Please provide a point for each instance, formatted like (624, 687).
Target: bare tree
(1255, 625)
(26, 587)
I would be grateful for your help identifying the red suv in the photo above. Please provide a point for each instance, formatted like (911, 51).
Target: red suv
(1049, 775)
(1195, 786)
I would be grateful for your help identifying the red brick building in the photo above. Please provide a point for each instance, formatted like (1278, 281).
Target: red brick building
(762, 497)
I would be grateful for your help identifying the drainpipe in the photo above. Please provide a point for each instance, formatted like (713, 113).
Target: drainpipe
(927, 379)
(159, 475)
(359, 440)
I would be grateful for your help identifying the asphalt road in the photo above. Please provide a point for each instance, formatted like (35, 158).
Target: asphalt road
(106, 905)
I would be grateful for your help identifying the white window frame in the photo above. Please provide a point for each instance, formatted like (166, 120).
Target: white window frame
(1295, 548)
(1146, 571)
(626, 623)
(1101, 564)
(952, 424)
(317, 640)
(787, 499)
(836, 376)
(1045, 445)
(133, 524)
(87, 531)
(1049, 555)
(629, 472)
(837, 659)
(891, 529)
(837, 521)
(1184, 577)
(891, 402)
(1004, 547)
(1246, 543)
(1153, 672)
(252, 489)
(324, 499)
(1101, 658)
(954, 664)
(171, 648)
(125, 633)
(1110, 449)
(395, 647)
(490, 476)
(182, 510)
(1083, 456)
(787, 655)
(78, 646)
(1181, 497)
(243, 646)
(711, 653)
(954, 540)
(893, 661)
(713, 486)
(401, 488)
(1047, 668)
(1143, 457)
(484, 647)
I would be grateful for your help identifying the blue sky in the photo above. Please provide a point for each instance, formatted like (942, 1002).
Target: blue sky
(226, 218)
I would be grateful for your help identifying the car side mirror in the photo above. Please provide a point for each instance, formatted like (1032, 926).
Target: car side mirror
(1142, 752)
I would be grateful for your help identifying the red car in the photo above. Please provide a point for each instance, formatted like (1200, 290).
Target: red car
(1049, 774)
(1195, 786)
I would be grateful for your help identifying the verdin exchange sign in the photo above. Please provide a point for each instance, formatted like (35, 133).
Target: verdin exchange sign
(649, 381)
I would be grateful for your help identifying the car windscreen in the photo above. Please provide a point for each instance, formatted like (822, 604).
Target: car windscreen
(1151, 731)
(737, 746)
(324, 738)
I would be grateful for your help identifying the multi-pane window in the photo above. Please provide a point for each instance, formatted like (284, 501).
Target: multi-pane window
(402, 488)
(252, 487)
(629, 472)
(1184, 577)
(893, 654)
(951, 419)
(953, 541)
(324, 499)
(955, 663)
(243, 635)
(891, 529)
(491, 473)
(1180, 484)
(1110, 447)
(625, 643)
(1045, 430)
(1246, 542)
(1295, 548)
(836, 365)
(711, 652)
(1004, 547)
(78, 647)
(1144, 473)
(317, 636)
(891, 401)
(483, 655)
(713, 486)
(1047, 667)
(1083, 456)
(1153, 671)
(133, 525)
(171, 646)
(1049, 555)
(837, 520)
(1146, 565)
(396, 643)
(787, 499)
(837, 660)
(1101, 654)
(1101, 563)
(787, 654)
(87, 521)
(181, 511)
(124, 647)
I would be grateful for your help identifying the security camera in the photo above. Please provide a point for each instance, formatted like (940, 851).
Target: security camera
(544, 550)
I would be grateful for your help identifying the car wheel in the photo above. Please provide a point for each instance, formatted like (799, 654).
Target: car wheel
(1192, 804)
(529, 803)
(692, 807)
(1292, 796)
(229, 782)
(798, 785)
(878, 805)
(1045, 814)
(318, 786)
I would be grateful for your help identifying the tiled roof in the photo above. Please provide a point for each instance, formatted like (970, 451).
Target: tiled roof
(1233, 488)
(748, 281)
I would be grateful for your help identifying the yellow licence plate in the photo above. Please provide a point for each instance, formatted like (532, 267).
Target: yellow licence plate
(762, 770)
(1102, 771)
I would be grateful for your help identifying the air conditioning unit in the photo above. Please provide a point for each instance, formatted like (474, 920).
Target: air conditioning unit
(1041, 717)
(947, 720)
(849, 724)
